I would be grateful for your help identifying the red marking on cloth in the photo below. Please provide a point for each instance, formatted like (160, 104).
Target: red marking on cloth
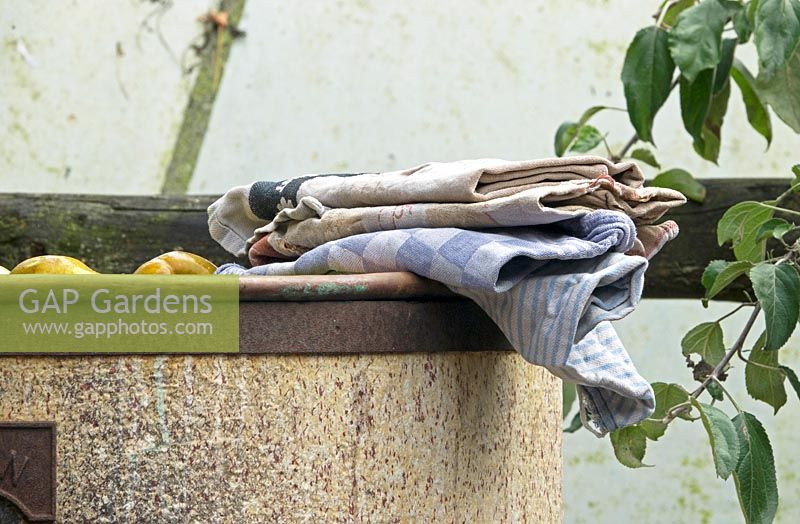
(399, 211)
(594, 184)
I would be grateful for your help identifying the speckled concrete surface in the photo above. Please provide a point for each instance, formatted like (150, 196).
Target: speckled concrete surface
(449, 437)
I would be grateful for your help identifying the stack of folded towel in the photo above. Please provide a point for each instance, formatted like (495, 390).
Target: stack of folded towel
(551, 249)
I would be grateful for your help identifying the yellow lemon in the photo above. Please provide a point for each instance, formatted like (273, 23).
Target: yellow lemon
(3, 271)
(177, 263)
(52, 265)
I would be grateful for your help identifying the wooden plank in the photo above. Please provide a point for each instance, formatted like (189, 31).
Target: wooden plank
(676, 271)
(201, 101)
(114, 234)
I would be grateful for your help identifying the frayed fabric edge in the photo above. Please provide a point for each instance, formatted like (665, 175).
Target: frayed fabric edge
(589, 418)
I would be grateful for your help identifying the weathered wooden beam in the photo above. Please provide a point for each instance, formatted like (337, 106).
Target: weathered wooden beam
(676, 271)
(114, 234)
(197, 114)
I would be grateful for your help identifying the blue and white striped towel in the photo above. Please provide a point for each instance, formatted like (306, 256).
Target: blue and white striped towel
(551, 289)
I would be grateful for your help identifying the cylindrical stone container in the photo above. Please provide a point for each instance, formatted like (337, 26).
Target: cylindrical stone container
(383, 410)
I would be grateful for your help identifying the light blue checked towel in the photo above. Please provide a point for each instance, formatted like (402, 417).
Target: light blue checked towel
(551, 289)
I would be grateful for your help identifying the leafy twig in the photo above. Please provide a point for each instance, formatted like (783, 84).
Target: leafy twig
(658, 16)
(605, 143)
(746, 360)
(780, 209)
(619, 156)
(727, 394)
(676, 410)
(735, 310)
(736, 349)
(789, 191)
(714, 375)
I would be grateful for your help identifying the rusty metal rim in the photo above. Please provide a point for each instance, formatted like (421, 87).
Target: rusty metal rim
(314, 288)
(350, 327)
(51, 517)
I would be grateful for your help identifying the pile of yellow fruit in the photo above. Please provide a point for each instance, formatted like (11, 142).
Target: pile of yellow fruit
(172, 263)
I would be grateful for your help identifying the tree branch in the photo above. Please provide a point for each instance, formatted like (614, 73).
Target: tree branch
(720, 368)
(619, 156)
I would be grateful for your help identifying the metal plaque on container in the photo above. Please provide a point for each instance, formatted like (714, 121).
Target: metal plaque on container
(28, 468)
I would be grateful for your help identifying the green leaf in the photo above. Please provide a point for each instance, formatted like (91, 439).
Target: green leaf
(775, 227)
(782, 91)
(757, 113)
(742, 25)
(667, 397)
(696, 101)
(565, 134)
(762, 383)
(705, 340)
(567, 131)
(722, 72)
(793, 380)
(704, 102)
(752, 6)
(646, 77)
(727, 276)
(708, 145)
(722, 436)
(588, 138)
(646, 156)
(630, 444)
(777, 289)
(777, 32)
(575, 424)
(739, 224)
(694, 42)
(568, 396)
(653, 429)
(796, 170)
(711, 272)
(715, 391)
(755, 473)
(675, 9)
(589, 113)
(681, 180)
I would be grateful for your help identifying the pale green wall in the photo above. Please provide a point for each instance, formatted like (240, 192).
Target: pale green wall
(79, 117)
